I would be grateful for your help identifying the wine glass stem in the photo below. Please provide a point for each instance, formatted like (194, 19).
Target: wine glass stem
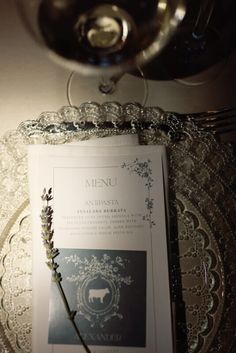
(203, 18)
(107, 84)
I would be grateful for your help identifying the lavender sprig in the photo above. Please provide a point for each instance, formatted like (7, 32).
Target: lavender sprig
(51, 253)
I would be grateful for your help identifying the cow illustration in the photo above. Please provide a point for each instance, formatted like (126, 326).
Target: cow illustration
(98, 294)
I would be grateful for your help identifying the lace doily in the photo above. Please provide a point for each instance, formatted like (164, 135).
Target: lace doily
(202, 183)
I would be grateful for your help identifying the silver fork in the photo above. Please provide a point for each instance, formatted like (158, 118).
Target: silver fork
(217, 121)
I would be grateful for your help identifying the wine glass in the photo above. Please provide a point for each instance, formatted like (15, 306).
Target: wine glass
(97, 37)
(101, 41)
(197, 50)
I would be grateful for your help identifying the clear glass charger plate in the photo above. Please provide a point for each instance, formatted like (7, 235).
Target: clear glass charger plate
(202, 200)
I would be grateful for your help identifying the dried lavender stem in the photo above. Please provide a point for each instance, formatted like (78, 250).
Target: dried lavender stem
(51, 252)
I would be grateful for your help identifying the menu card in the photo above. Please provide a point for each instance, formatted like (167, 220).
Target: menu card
(110, 228)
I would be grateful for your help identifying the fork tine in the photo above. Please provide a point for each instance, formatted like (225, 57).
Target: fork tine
(219, 129)
(225, 129)
(215, 112)
(217, 122)
(215, 118)
(220, 122)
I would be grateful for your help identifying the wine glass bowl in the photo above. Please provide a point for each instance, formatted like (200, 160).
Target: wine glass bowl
(198, 49)
(193, 54)
(102, 37)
